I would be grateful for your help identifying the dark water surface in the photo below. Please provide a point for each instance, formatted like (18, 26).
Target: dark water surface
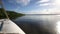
(39, 24)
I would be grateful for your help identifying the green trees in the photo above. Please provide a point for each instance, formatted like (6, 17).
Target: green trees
(11, 14)
(2, 14)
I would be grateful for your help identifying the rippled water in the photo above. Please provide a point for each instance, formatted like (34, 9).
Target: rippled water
(39, 24)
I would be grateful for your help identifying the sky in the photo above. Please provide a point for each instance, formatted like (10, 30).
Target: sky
(33, 6)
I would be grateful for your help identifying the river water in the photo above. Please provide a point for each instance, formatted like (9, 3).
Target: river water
(39, 24)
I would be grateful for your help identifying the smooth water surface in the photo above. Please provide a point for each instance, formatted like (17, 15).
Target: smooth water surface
(39, 24)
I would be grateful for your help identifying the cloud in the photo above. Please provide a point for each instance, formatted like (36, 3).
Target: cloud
(23, 2)
(55, 7)
(10, 1)
(54, 4)
(45, 4)
(44, 1)
(45, 11)
(38, 12)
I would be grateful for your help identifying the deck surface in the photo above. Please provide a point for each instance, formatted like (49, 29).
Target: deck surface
(7, 26)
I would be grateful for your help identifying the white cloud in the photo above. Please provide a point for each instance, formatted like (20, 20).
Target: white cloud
(23, 2)
(45, 11)
(44, 1)
(54, 3)
(54, 10)
(45, 4)
(37, 12)
(56, 6)
(57, 2)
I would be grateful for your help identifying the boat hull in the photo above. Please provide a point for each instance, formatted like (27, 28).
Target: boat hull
(9, 27)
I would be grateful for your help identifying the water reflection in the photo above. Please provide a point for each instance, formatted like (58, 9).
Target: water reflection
(58, 27)
(39, 24)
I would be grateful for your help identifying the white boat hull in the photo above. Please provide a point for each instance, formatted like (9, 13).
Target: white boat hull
(9, 27)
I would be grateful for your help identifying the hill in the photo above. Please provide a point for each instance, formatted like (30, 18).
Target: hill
(11, 14)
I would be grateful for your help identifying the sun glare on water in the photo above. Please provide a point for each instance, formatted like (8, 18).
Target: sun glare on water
(58, 27)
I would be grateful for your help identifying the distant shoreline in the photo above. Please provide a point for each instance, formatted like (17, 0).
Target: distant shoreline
(11, 14)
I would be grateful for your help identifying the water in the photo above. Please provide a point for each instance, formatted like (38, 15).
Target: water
(39, 24)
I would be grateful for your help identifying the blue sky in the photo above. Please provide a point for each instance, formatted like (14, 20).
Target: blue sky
(33, 6)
